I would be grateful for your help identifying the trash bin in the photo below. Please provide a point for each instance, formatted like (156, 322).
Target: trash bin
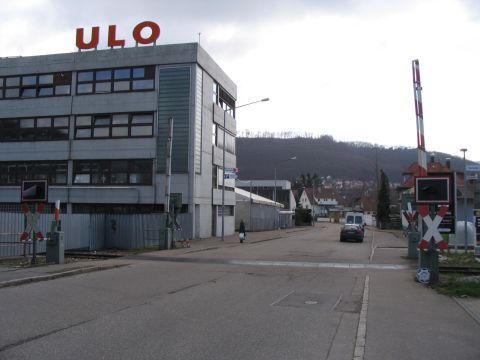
(413, 240)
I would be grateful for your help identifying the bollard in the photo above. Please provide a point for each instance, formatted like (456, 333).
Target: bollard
(413, 240)
(55, 248)
(429, 260)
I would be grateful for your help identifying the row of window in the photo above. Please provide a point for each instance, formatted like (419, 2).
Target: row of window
(114, 126)
(31, 86)
(113, 172)
(116, 80)
(85, 172)
(12, 173)
(96, 208)
(34, 129)
(86, 127)
(102, 81)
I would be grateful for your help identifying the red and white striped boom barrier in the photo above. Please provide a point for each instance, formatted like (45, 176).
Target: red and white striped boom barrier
(417, 88)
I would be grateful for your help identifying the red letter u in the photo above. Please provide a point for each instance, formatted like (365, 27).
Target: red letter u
(93, 41)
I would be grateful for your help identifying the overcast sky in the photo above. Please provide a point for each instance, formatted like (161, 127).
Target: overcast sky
(333, 67)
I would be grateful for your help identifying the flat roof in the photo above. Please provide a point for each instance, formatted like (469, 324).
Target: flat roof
(170, 54)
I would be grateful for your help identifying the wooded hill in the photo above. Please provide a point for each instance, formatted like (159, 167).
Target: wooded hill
(256, 158)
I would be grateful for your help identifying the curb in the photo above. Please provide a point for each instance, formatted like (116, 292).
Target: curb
(58, 275)
(475, 316)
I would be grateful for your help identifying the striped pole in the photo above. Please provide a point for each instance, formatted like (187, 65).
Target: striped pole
(417, 88)
(57, 211)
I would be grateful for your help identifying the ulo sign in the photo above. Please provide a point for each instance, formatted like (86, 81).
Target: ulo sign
(112, 40)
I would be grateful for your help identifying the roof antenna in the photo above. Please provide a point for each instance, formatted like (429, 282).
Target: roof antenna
(199, 34)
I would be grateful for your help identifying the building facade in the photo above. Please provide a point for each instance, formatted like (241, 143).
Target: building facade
(95, 124)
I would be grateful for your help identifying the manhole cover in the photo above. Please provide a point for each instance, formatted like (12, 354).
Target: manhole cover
(312, 301)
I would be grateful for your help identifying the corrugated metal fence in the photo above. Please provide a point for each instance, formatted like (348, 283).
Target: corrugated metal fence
(92, 231)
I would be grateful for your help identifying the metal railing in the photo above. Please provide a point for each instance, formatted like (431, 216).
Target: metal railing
(10, 245)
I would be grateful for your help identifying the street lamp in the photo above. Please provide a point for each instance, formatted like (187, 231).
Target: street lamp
(465, 200)
(275, 186)
(223, 161)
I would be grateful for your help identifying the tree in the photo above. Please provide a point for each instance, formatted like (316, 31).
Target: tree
(383, 204)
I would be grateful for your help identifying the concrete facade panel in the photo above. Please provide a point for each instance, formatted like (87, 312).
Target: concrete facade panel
(229, 197)
(31, 151)
(21, 108)
(143, 101)
(140, 148)
(111, 195)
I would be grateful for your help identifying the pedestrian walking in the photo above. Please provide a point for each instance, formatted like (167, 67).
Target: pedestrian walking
(241, 230)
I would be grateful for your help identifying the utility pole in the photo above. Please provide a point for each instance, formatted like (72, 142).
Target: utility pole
(168, 175)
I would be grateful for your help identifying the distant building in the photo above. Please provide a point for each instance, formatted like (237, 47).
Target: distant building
(260, 213)
(266, 188)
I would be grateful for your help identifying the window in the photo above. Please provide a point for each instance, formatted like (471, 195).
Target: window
(32, 86)
(12, 173)
(113, 172)
(214, 134)
(229, 210)
(215, 92)
(229, 141)
(223, 99)
(114, 125)
(116, 209)
(34, 129)
(116, 80)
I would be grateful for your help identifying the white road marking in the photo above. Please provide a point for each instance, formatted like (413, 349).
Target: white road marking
(372, 252)
(359, 351)
(326, 265)
(283, 297)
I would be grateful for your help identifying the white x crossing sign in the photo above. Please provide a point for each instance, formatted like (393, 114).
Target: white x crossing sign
(32, 222)
(432, 227)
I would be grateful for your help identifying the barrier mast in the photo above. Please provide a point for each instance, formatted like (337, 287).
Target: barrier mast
(417, 88)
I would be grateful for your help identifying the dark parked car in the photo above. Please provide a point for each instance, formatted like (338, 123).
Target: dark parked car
(351, 232)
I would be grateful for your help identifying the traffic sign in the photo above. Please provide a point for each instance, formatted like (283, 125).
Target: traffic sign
(230, 176)
(34, 191)
(32, 222)
(432, 230)
(473, 168)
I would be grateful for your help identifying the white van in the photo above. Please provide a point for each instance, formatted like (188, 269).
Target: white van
(355, 217)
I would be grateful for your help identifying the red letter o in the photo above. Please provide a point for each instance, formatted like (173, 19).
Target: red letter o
(137, 32)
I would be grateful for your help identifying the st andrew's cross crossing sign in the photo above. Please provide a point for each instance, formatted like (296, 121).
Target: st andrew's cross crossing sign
(432, 227)
(32, 222)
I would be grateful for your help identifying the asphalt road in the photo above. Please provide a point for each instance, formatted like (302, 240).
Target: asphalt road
(306, 296)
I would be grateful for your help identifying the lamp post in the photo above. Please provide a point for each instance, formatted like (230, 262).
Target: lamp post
(223, 161)
(465, 234)
(275, 187)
